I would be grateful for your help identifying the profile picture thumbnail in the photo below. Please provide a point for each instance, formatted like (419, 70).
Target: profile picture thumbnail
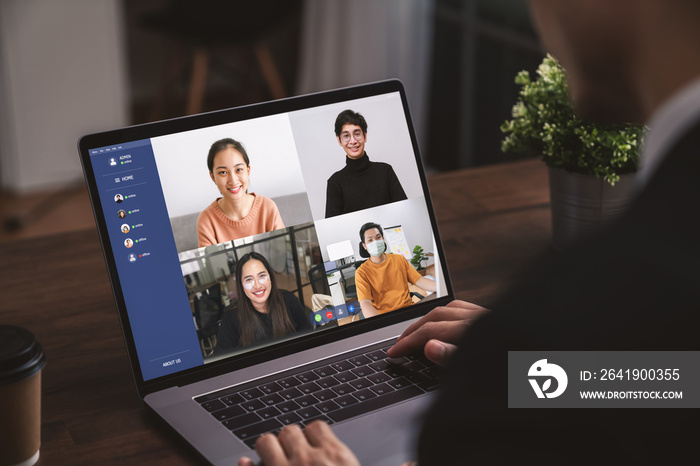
(128, 242)
(118, 198)
(121, 213)
(125, 228)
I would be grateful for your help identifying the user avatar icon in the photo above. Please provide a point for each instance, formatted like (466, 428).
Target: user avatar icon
(118, 198)
(121, 213)
(132, 257)
(112, 162)
(128, 242)
(125, 228)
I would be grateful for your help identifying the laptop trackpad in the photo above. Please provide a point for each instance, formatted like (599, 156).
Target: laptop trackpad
(387, 436)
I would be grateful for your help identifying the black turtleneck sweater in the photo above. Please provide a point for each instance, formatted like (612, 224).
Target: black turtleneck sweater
(362, 184)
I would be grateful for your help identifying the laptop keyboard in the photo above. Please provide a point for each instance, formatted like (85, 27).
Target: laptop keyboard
(332, 390)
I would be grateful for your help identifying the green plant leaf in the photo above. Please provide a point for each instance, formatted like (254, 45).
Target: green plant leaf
(544, 124)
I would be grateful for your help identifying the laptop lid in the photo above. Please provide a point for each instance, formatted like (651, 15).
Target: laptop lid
(152, 193)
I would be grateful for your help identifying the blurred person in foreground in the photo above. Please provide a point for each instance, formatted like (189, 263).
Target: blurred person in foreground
(633, 287)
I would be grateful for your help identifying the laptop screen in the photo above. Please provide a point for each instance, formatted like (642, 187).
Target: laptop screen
(219, 230)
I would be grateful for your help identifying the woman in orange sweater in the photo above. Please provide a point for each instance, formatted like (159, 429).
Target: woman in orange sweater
(238, 213)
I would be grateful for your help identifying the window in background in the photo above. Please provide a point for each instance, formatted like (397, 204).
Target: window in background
(478, 48)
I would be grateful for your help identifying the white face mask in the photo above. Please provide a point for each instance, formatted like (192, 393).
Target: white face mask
(376, 248)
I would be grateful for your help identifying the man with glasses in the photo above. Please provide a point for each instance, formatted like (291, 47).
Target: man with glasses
(361, 184)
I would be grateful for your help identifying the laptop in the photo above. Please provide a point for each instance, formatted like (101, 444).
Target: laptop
(175, 292)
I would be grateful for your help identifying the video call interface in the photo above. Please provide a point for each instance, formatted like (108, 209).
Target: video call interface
(233, 237)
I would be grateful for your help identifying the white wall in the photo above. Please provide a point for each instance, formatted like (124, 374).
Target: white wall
(62, 75)
(182, 162)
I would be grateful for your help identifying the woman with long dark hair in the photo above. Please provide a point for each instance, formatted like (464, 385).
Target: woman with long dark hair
(237, 213)
(263, 312)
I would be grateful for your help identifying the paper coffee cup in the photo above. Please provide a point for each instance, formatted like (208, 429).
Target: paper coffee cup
(21, 361)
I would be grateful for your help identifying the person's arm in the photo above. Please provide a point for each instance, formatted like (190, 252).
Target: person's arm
(368, 310)
(437, 331)
(427, 284)
(364, 293)
(417, 279)
(396, 192)
(205, 231)
(296, 312)
(277, 223)
(334, 199)
(229, 333)
(268, 216)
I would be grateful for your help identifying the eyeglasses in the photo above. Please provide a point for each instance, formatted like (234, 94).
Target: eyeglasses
(357, 136)
(249, 282)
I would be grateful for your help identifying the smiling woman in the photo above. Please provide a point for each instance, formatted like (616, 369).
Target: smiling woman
(238, 213)
(263, 311)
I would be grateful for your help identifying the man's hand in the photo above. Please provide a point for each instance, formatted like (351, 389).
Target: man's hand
(437, 331)
(317, 444)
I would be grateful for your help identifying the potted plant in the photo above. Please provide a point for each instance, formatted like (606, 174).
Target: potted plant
(591, 166)
(418, 257)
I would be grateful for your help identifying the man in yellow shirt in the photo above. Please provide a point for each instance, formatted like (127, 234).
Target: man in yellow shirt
(382, 281)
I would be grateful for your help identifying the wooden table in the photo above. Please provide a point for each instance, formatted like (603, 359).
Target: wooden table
(493, 221)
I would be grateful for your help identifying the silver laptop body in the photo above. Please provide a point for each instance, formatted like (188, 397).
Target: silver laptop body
(149, 184)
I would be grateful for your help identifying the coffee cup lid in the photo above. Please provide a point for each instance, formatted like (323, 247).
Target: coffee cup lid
(20, 354)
